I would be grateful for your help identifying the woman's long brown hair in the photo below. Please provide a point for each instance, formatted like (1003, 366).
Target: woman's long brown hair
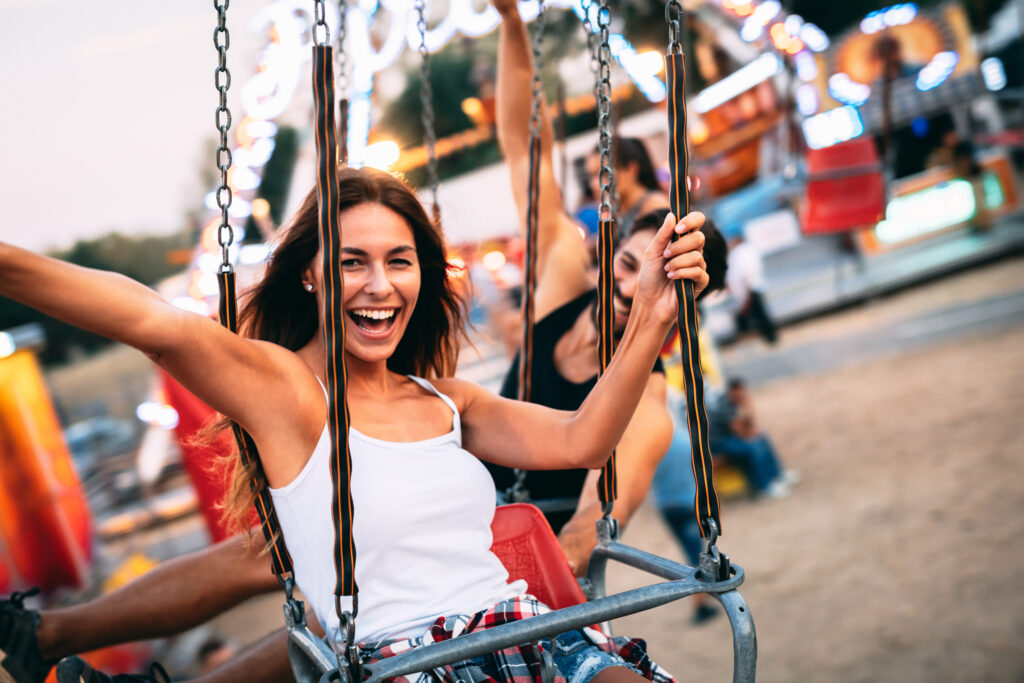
(279, 310)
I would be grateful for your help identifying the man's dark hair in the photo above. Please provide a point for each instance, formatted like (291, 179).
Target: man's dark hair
(735, 383)
(715, 248)
(627, 151)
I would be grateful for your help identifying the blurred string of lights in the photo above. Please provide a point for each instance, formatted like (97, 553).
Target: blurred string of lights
(268, 93)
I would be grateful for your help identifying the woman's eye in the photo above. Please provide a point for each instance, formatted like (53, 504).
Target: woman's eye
(401, 263)
(349, 262)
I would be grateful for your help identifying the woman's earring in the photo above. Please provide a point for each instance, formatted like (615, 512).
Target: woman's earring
(309, 286)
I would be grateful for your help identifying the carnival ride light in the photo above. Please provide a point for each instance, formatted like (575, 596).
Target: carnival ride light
(993, 73)
(806, 66)
(252, 254)
(931, 209)
(7, 345)
(937, 70)
(761, 69)
(887, 17)
(832, 127)
(637, 68)
(848, 91)
(157, 414)
(381, 155)
(493, 260)
(651, 61)
(260, 208)
(243, 178)
(807, 99)
(783, 40)
(814, 38)
(793, 23)
(752, 29)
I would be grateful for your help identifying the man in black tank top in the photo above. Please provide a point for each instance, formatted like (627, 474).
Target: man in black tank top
(565, 364)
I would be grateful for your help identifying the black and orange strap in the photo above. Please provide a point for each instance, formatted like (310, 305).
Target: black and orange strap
(280, 560)
(334, 320)
(706, 502)
(607, 487)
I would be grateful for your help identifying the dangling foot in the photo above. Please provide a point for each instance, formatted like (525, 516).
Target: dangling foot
(20, 659)
(77, 670)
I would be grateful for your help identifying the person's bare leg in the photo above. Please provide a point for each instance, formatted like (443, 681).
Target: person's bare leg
(176, 596)
(264, 660)
(617, 674)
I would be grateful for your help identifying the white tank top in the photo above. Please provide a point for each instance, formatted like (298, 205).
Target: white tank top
(421, 526)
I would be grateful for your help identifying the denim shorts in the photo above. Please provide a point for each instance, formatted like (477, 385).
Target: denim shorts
(578, 660)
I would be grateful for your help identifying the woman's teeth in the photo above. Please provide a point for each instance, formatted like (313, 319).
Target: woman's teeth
(373, 314)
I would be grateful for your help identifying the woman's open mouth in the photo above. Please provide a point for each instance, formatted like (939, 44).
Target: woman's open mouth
(374, 321)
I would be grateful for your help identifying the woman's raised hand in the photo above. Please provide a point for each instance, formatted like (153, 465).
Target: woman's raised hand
(505, 6)
(667, 260)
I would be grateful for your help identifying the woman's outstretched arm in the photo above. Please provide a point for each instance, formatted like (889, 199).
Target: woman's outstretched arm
(562, 261)
(529, 436)
(221, 368)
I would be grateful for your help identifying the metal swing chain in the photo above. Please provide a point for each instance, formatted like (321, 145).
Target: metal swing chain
(535, 83)
(592, 46)
(604, 102)
(320, 24)
(518, 493)
(340, 58)
(222, 118)
(341, 83)
(674, 17)
(427, 109)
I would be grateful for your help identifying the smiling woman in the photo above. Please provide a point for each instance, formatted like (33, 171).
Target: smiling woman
(418, 435)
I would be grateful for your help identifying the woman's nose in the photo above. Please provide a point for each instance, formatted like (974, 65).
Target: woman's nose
(379, 284)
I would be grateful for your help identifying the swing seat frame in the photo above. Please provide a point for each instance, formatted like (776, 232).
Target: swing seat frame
(313, 659)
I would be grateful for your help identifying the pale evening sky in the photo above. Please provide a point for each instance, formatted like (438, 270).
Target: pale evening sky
(105, 110)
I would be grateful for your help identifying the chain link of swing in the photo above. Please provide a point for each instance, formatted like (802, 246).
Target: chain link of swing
(321, 33)
(535, 83)
(340, 58)
(604, 111)
(592, 46)
(427, 107)
(674, 18)
(222, 118)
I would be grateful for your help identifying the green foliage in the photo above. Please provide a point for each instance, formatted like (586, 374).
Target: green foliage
(142, 258)
(450, 79)
(277, 173)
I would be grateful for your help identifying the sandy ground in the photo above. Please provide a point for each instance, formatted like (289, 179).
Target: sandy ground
(898, 556)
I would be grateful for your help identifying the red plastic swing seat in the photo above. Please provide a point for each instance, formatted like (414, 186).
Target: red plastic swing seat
(526, 545)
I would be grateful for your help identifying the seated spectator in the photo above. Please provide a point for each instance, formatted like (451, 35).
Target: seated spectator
(733, 432)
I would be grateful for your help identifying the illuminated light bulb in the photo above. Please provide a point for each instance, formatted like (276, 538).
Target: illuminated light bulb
(474, 109)
(793, 24)
(381, 155)
(807, 99)
(752, 29)
(651, 62)
(994, 74)
(806, 66)
(937, 70)
(493, 260)
(740, 81)
(7, 346)
(698, 130)
(814, 37)
(209, 239)
(260, 208)
(848, 91)
(832, 127)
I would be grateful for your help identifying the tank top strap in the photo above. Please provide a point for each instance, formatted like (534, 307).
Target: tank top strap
(456, 420)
